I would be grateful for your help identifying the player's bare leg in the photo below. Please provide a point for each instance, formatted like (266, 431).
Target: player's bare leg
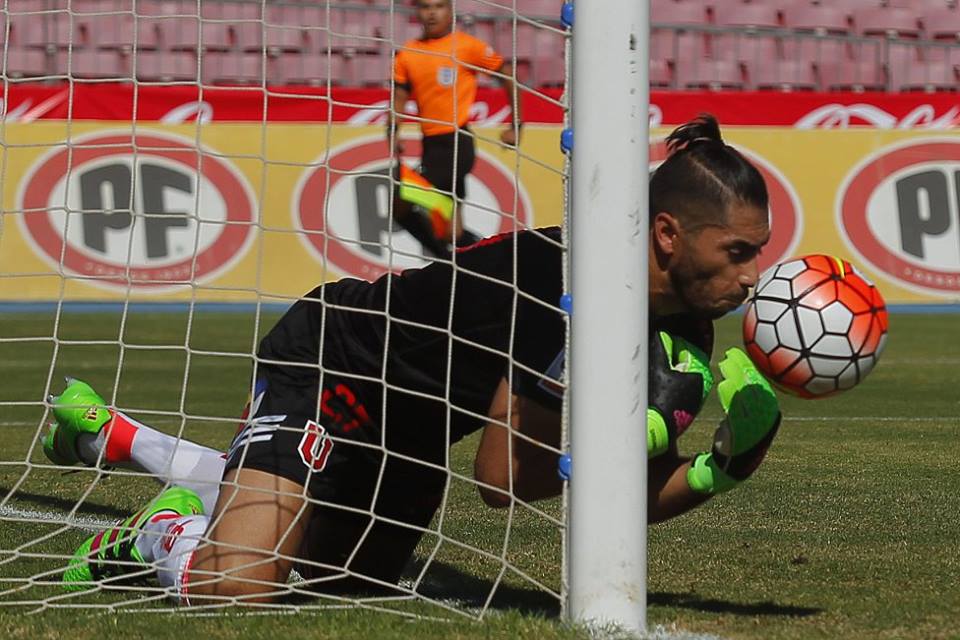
(253, 537)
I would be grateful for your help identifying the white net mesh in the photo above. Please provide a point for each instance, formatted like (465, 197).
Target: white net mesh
(175, 175)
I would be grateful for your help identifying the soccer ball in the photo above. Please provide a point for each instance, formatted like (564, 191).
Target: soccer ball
(815, 326)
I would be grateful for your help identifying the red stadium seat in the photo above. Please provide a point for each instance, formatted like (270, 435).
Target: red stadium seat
(272, 39)
(746, 47)
(189, 34)
(746, 15)
(313, 69)
(714, 75)
(154, 66)
(929, 77)
(50, 32)
(671, 43)
(530, 42)
(357, 31)
(549, 71)
(821, 19)
(232, 68)
(860, 75)
(783, 75)
(372, 70)
(93, 64)
(660, 74)
(545, 9)
(25, 63)
(889, 22)
(943, 24)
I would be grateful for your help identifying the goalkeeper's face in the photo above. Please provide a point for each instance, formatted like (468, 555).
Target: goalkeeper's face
(714, 267)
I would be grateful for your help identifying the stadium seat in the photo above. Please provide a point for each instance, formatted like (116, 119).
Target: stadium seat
(166, 66)
(252, 36)
(530, 41)
(357, 31)
(816, 50)
(119, 33)
(783, 75)
(549, 71)
(313, 69)
(50, 32)
(232, 68)
(545, 9)
(187, 34)
(671, 43)
(373, 70)
(660, 74)
(929, 77)
(820, 19)
(858, 76)
(713, 75)
(943, 25)
(25, 63)
(93, 64)
(746, 15)
(748, 48)
(888, 22)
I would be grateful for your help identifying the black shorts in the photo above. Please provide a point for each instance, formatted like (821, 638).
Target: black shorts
(318, 438)
(437, 161)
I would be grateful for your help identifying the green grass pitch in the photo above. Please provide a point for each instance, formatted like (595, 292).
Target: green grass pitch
(848, 530)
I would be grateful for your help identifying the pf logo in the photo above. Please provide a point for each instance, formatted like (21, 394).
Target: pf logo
(148, 211)
(342, 208)
(899, 211)
(785, 213)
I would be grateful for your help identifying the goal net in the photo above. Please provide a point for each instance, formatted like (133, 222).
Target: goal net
(176, 174)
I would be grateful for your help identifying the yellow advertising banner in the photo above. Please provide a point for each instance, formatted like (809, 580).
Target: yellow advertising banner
(241, 212)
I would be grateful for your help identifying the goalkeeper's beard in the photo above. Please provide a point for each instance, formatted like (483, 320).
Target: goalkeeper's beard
(691, 285)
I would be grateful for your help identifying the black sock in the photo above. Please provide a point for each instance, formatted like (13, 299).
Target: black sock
(417, 224)
(467, 238)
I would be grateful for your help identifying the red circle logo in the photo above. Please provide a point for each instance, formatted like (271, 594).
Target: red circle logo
(898, 211)
(146, 211)
(342, 208)
(785, 211)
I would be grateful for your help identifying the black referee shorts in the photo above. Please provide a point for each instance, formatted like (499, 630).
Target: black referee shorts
(439, 166)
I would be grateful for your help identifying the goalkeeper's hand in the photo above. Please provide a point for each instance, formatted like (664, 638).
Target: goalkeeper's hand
(679, 381)
(741, 441)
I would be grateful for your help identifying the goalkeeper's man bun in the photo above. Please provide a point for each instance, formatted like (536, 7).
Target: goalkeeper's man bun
(703, 176)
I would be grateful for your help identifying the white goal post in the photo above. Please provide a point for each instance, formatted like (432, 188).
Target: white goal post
(608, 359)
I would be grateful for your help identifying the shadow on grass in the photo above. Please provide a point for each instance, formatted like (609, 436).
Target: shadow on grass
(693, 601)
(27, 501)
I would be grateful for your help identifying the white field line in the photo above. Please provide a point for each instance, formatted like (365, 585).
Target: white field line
(87, 523)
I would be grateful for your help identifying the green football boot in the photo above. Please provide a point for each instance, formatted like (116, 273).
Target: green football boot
(79, 409)
(113, 554)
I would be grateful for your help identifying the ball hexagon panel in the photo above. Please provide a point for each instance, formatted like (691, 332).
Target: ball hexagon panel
(821, 386)
(811, 326)
(769, 310)
(766, 337)
(788, 333)
(790, 269)
(776, 288)
(836, 317)
(832, 346)
(827, 367)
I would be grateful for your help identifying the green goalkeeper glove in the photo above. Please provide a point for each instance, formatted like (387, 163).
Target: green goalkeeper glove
(679, 382)
(744, 435)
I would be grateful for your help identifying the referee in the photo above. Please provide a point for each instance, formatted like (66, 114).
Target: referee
(439, 72)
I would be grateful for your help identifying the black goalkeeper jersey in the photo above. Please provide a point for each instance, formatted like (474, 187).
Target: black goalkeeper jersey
(440, 338)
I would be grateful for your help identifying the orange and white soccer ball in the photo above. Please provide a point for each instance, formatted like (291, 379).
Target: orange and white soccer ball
(815, 326)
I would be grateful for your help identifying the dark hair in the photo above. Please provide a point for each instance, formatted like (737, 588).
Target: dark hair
(702, 176)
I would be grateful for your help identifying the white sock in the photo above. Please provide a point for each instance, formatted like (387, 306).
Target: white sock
(169, 540)
(169, 459)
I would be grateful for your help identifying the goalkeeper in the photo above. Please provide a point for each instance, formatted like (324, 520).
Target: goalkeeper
(361, 388)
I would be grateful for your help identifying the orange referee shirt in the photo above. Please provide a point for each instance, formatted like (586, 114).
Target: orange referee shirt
(442, 76)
